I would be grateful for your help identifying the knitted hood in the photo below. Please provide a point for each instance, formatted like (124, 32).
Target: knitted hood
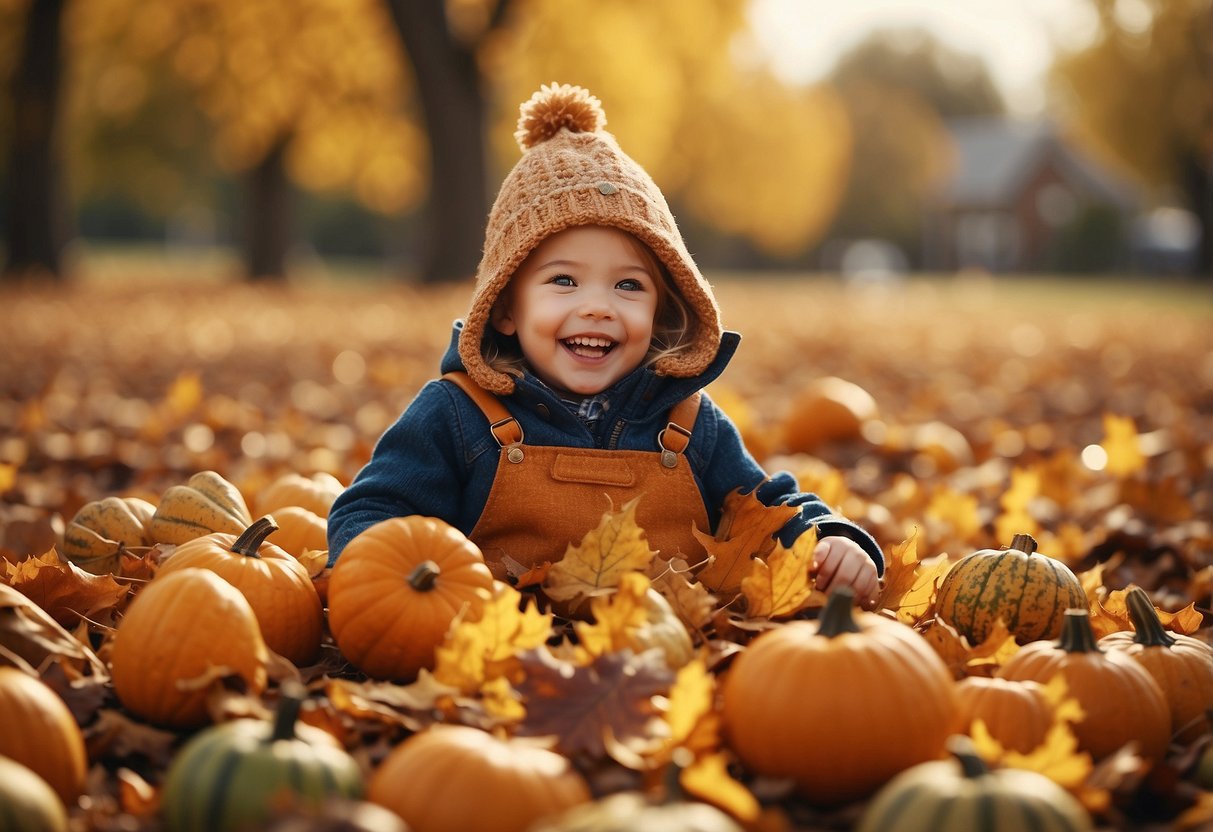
(572, 172)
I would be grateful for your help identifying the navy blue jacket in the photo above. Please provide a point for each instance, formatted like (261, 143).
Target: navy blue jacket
(439, 458)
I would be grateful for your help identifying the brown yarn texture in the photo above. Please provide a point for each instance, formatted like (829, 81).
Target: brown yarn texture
(572, 172)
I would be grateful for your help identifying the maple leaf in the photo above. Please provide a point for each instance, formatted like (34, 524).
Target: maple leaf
(744, 532)
(780, 585)
(709, 780)
(1111, 615)
(615, 618)
(690, 712)
(910, 586)
(65, 591)
(1122, 445)
(604, 708)
(617, 546)
(964, 659)
(474, 650)
(689, 598)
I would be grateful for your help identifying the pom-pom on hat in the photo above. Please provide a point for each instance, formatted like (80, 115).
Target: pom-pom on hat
(572, 172)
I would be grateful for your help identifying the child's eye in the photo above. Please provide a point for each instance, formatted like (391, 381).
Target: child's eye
(562, 280)
(630, 285)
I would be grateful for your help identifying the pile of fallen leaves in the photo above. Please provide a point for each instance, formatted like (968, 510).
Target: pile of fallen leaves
(1084, 419)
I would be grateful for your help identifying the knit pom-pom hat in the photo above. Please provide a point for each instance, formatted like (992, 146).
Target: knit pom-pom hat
(572, 172)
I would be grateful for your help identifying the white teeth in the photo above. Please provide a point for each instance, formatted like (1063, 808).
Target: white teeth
(585, 341)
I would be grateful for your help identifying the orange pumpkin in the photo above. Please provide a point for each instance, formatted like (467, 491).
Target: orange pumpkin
(275, 583)
(453, 778)
(395, 590)
(299, 530)
(828, 409)
(315, 493)
(41, 734)
(1182, 665)
(1121, 701)
(1017, 714)
(840, 704)
(180, 627)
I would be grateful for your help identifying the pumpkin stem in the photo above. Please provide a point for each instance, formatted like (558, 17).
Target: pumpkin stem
(287, 712)
(1150, 632)
(424, 575)
(1076, 633)
(962, 748)
(250, 540)
(1024, 543)
(838, 616)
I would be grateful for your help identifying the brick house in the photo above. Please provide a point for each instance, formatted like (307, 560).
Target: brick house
(1019, 198)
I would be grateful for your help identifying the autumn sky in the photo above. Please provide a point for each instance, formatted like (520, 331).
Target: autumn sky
(1016, 37)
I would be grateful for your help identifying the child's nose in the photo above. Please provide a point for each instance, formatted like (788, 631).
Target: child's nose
(597, 305)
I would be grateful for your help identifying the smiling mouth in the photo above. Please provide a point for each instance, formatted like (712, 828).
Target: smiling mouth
(586, 346)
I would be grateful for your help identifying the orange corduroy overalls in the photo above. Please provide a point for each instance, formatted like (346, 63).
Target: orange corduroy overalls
(544, 498)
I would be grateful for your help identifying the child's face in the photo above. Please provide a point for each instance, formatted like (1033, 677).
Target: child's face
(582, 305)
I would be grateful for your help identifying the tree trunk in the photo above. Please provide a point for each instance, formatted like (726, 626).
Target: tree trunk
(38, 225)
(268, 221)
(448, 85)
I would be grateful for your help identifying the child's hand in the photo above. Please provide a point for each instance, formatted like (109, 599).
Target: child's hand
(839, 561)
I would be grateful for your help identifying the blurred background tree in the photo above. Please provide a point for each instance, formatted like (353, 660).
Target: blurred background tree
(1142, 94)
(382, 127)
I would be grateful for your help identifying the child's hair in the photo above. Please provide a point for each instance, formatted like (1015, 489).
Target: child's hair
(673, 325)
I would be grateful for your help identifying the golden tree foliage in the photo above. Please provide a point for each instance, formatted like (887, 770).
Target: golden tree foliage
(1140, 92)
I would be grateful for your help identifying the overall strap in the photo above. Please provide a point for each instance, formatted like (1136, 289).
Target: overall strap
(505, 427)
(675, 437)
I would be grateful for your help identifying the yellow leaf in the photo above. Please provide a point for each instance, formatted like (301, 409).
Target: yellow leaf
(709, 780)
(1122, 446)
(745, 532)
(616, 617)
(691, 700)
(911, 585)
(616, 547)
(184, 394)
(957, 510)
(781, 585)
(473, 650)
(8, 476)
(994, 651)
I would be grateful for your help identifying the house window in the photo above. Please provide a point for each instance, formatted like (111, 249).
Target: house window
(987, 239)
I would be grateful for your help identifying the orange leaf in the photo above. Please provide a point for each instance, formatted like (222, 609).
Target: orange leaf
(911, 585)
(690, 599)
(709, 780)
(745, 532)
(779, 585)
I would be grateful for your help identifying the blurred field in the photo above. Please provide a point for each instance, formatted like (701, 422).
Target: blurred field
(141, 374)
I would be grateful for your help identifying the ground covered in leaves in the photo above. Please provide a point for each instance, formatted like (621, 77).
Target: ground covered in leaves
(1079, 413)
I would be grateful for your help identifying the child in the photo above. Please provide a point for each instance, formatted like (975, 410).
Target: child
(574, 384)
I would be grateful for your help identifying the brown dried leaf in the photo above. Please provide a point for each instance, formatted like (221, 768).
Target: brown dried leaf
(65, 591)
(596, 710)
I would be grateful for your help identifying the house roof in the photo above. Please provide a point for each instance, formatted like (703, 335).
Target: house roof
(995, 156)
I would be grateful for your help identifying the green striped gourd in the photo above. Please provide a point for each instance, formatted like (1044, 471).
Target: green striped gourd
(1029, 591)
(101, 530)
(233, 776)
(962, 795)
